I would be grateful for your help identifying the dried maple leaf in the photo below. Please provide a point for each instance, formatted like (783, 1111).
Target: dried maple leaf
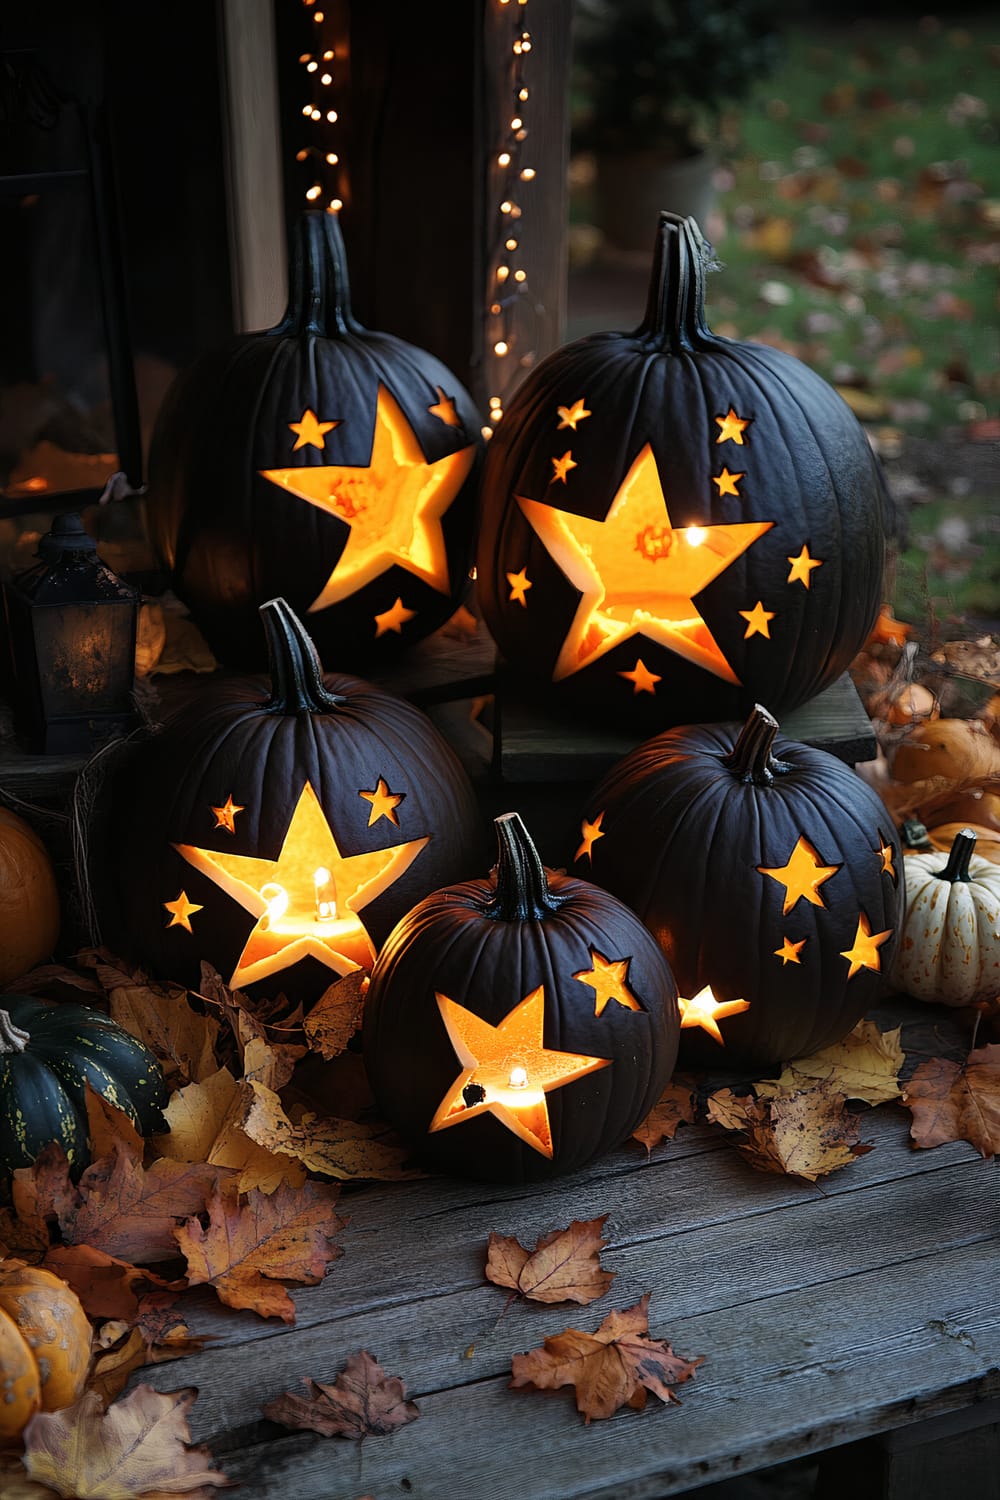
(675, 1106)
(271, 1062)
(345, 1149)
(40, 1195)
(122, 1350)
(139, 1446)
(614, 1367)
(953, 1101)
(727, 1109)
(865, 1065)
(564, 1266)
(205, 1122)
(130, 1211)
(337, 1014)
(249, 1243)
(806, 1134)
(362, 1402)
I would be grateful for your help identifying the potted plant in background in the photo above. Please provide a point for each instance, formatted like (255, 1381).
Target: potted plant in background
(653, 82)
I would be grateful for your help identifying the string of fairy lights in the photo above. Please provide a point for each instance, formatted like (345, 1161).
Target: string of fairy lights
(512, 316)
(322, 164)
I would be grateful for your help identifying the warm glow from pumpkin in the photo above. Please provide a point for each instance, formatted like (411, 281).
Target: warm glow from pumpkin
(637, 573)
(608, 978)
(802, 876)
(705, 1011)
(393, 505)
(307, 900)
(507, 1070)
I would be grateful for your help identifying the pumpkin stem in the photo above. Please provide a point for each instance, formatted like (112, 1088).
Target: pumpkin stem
(959, 855)
(675, 306)
(294, 665)
(319, 288)
(521, 885)
(12, 1038)
(750, 758)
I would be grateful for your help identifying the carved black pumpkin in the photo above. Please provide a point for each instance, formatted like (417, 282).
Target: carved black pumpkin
(769, 873)
(519, 1026)
(675, 525)
(321, 462)
(279, 829)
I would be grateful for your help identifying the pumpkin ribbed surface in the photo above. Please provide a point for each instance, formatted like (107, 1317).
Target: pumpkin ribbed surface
(29, 898)
(949, 951)
(46, 1316)
(675, 525)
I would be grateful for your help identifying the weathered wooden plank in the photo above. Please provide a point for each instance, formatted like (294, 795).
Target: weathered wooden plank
(417, 1288)
(785, 1376)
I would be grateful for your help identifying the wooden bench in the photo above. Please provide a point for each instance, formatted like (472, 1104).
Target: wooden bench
(829, 1314)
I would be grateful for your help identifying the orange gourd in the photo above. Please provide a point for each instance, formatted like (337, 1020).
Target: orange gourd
(29, 898)
(45, 1344)
(961, 749)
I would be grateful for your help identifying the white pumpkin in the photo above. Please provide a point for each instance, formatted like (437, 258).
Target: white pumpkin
(949, 947)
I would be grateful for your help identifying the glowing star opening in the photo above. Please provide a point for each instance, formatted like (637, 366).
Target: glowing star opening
(307, 900)
(705, 1011)
(393, 505)
(637, 573)
(507, 1070)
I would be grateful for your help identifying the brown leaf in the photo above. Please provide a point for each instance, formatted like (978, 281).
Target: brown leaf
(206, 1125)
(246, 1025)
(345, 1149)
(46, 976)
(957, 1101)
(611, 1368)
(727, 1109)
(250, 1243)
(337, 1014)
(139, 1446)
(107, 1287)
(181, 1038)
(865, 1065)
(131, 1212)
(978, 660)
(564, 1266)
(806, 1134)
(40, 1195)
(676, 1106)
(108, 1126)
(362, 1402)
(123, 1350)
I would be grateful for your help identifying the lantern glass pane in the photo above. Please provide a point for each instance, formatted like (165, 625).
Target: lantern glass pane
(87, 652)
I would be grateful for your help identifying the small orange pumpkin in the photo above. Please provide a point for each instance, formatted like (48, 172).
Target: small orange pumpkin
(960, 749)
(45, 1344)
(29, 898)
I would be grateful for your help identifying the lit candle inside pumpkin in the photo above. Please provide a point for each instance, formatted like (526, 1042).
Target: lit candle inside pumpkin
(326, 895)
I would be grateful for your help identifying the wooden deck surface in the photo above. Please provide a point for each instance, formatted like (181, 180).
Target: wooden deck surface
(826, 1312)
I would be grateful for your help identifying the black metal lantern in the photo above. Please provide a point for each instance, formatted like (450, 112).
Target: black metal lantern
(72, 625)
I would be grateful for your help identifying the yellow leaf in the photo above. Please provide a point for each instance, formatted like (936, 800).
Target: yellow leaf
(206, 1126)
(865, 1065)
(345, 1149)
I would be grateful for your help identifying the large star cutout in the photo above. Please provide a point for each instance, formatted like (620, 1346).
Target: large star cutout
(803, 875)
(393, 505)
(507, 1070)
(864, 954)
(609, 981)
(311, 431)
(307, 900)
(705, 1011)
(637, 573)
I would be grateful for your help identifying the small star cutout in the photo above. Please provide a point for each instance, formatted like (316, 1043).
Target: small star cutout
(732, 427)
(608, 980)
(181, 911)
(802, 567)
(802, 877)
(590, 833)
(225, 816)
(311, 431)
(393, 619)
(758, 621)
(507, 1069)
(562, 466)
(444, 407)
(728, 484)
(520, 583)
(789, 951)
(705, 1011)
(570, 415)
(886, 854)
(864, 954)
(643, 679)
(383, 803)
